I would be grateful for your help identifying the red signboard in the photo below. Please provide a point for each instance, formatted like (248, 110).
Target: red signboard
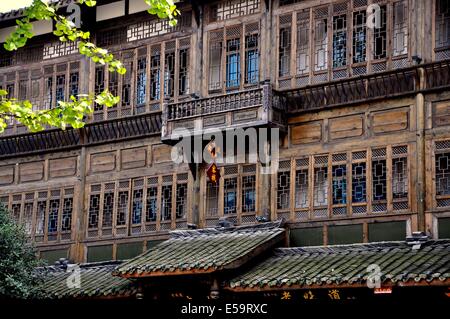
(213, 173)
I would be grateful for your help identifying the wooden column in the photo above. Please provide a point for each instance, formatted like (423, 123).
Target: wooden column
(79, 226)
(196, 198)
(420, 158)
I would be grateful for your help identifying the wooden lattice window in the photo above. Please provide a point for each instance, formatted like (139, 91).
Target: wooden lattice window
(181, 201)
(320, 192)
(251, 53)
(94, 210)
(137, 202)
(302, 183)
(53, 216)
(233, 59)
(340, 31)
(152, 204)
(126, 88)
(400, 180)
(66, 223)
(40, 215)
(141, 78)
(230, 196)
(232, 9)
(380, 35)
(321, 39)
(359, 43)
(248, 193)
(442, 29)
(27, 219)
(339, 185)
(45, 215)
(169, 69)
(359, 184)
(212, 199)
(442, 164)
(215, 60)
(303, 43)
(155, 71)
(379, 180)
(122, 208)
(183, 67)
(108, 206)
(166, 202)
(283, 185)
(99, 84)
(284, 46)
(400, 28)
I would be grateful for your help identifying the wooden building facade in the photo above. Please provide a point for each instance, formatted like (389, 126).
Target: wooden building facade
(358, 88)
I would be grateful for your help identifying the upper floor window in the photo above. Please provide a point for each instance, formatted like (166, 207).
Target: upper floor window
(284, 46)
(154, 72)
(44, 86)
(359, 36)
(336, 41)
(442, 29)
(380, 36)
(234, 57)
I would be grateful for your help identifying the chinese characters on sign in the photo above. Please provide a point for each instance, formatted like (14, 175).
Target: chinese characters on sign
(213, 173)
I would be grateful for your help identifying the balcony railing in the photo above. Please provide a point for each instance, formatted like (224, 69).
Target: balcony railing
(420, 78)
(95, 133)
(256, 107)
(214, 104)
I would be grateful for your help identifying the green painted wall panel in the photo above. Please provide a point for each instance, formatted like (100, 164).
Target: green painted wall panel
(100, 253)
(50, 256)
(306, 237)
(389, 231)
(128, 250)
(444, 227)
(345, 234)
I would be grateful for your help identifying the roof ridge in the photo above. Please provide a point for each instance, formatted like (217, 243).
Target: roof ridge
(357, 246)
(222, 230)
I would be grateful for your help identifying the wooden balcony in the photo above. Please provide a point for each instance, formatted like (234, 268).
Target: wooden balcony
(95, 133)
(402, 82)
(258, 107)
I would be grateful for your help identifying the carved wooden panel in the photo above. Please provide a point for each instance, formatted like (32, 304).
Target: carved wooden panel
(214, 120)
(161, 153)
(31, 171)
(245, 116)
(62, 167)
(348, 126)
(306, 133)
(133, 158)
(390, 121)
(103, 162)
(441, 113)
(6, 175)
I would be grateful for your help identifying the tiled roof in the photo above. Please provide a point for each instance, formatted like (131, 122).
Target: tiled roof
(203, 251)
(96, 281)
(316, 267)
(15, 14)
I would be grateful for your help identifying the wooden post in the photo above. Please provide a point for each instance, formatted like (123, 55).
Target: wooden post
(77, 250)
(420, 140)
(196, 194)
